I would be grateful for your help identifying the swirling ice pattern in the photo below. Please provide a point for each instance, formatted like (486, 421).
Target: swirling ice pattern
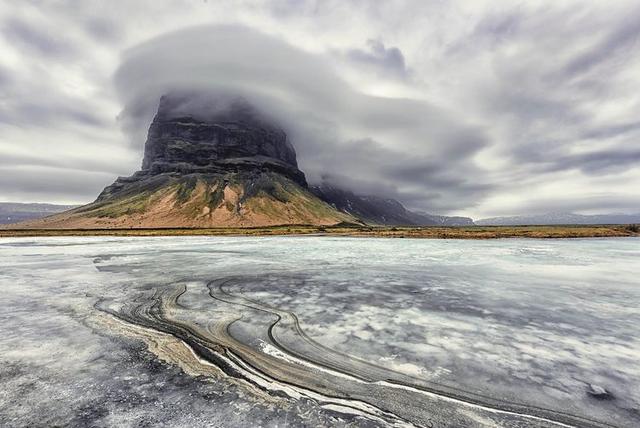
(267, 348)
(288, 331)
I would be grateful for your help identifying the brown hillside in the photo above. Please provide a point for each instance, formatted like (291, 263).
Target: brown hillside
(200, 201)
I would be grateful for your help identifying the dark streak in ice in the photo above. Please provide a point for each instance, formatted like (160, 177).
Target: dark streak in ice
(372, 390)
(319, 332)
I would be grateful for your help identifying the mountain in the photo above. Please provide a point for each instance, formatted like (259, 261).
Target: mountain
(381, 211)
(11, 212)
(560, 218)
(443, 220)
(370, 209)
(207, 163)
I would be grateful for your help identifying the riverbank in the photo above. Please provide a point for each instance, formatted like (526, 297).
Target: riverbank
(431, 232)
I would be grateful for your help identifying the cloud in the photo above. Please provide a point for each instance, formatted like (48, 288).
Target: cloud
(36, 40)
(102, 29)
(554, 87)
(25, 183)
(388, 61)
(600, 162)
(617, 41)
(337, 130)
(49, 112)
(473, 108)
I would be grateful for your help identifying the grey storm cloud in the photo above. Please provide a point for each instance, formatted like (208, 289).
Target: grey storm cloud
(69, 184)
(600, 162)
(5, 78)
(103, 29)
(554, 73)
(36, 40)
(47, 112)
(624, 37)
(612, 131)
(386, 60)
(475, 108)
(336, 129)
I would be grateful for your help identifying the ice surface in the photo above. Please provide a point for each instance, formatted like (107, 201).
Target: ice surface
(493, 330)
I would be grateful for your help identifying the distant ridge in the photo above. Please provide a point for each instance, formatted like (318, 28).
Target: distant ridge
(13, 212)
(376, 210)
(559, 219)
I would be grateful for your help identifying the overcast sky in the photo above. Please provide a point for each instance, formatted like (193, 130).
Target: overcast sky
(473, 108)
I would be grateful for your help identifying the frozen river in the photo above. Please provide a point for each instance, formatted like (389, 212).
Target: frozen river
(319, 331)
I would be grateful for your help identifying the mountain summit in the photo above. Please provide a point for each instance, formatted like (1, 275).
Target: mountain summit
(208, 162)
(228, 136)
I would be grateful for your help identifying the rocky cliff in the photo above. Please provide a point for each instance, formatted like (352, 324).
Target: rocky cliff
(233, 139)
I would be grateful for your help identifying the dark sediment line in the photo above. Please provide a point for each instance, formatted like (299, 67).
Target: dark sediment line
(149, 315)
(383, 374)
(330, 377)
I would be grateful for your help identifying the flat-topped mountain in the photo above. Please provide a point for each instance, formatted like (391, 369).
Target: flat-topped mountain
(231, 137)
(207, 162)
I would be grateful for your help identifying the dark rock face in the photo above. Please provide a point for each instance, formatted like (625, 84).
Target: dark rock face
(208, 137)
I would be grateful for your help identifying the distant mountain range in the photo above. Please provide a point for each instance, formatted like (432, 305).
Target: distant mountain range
(559, 218)
(11, 212)
(381, 211)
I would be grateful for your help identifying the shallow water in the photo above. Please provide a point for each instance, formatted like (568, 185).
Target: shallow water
(276, 331)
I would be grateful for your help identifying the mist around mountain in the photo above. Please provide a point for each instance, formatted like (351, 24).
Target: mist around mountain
(13, 212)
(376, 210)
(559, 219)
